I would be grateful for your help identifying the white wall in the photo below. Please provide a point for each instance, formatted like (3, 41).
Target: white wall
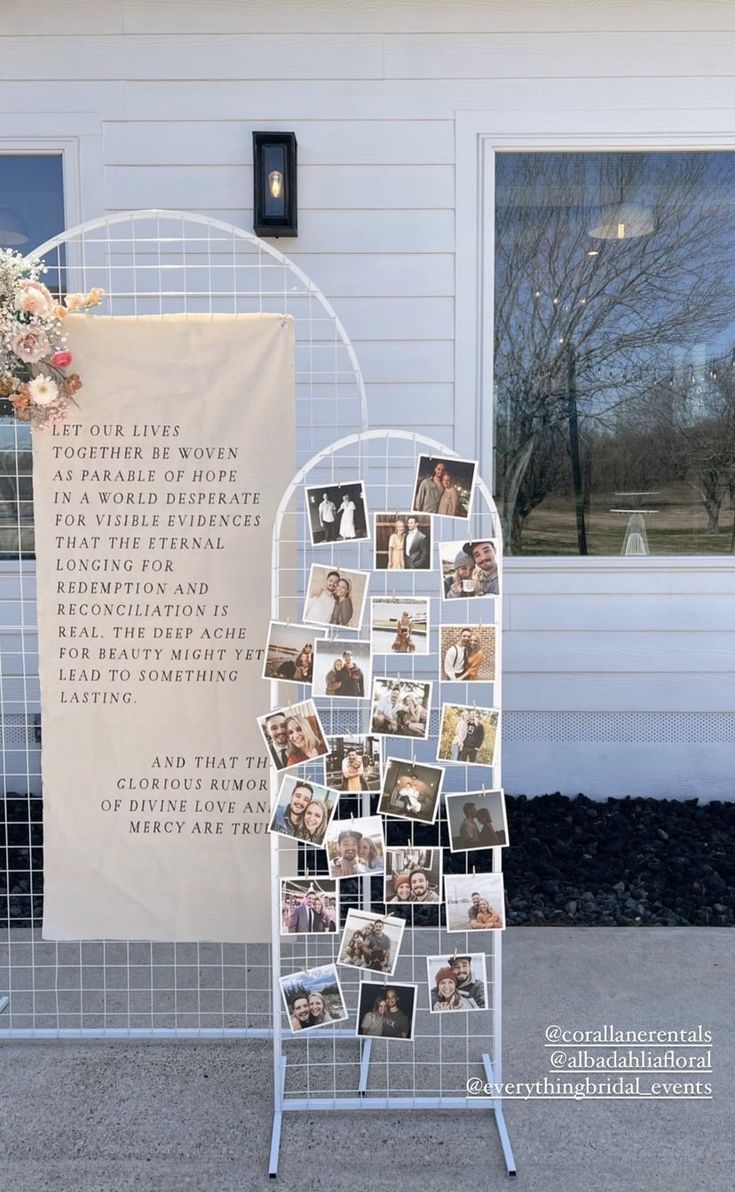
(155, 101)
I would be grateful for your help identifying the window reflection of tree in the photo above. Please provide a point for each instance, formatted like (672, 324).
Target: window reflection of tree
(621, 327)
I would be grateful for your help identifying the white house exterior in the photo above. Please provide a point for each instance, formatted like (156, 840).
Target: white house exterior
(620, 673)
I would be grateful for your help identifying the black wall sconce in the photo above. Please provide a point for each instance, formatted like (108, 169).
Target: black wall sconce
(275, 211)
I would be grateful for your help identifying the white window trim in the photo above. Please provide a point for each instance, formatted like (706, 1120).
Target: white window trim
(478, 136)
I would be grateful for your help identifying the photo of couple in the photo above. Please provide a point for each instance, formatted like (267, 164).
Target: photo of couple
(309, 906)
(353, 763)
(289, 653)
(410, 790)
(337, 513)
(342, 669)
(402, 542)
(336, 596)
(469, 569)
(467, 654)
(401, 864)
(457, 983)
(443, 487)
(400, 708)
(313, 998)
(386, 1011)
(371, 941)
(476, 820)
(356, 847)
(293, 734)
(475, 901)
(303, 810)
(468, 734)
(399, 625)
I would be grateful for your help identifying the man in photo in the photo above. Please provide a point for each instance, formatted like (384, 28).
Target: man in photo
(278, 744)
(469, 829)
(420, 889)
(474, 738)
(486, 567)
(353, 682)
(321, 606)
(387, 711)
(377, 946)
(467, 986)
(346, 863)
(455, 659)
(395, 1023)
(430, 491)
(328, 518)
(417, 547)
(475, 906)
(304, 917)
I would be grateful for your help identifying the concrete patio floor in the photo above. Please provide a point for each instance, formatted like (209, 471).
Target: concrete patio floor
(105, 1116)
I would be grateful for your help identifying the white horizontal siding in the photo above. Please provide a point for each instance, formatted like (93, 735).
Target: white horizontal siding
(163, 96)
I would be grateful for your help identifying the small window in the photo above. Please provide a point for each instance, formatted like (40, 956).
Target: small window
(614, 374)
(31, 212)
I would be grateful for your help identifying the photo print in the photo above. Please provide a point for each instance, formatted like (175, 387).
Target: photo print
(356, 847)
(457, 982)
(468, 734)
(410, 790)
(474, 901)
(399, 625)
(336, 596)
(412, 874)
(313, 997)
(303, 810)
(385, 1010)
(289, 653)
(342, 668)
(309, 906)
(444, 486)
(476, 819)
(371, 941)
(337, 513)
(400, 708)
(353, 763)
(293, 735)
(467, 653)
(469, 568)
(402, 542)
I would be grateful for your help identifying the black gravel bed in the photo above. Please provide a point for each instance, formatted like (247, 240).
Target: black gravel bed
(624, 862)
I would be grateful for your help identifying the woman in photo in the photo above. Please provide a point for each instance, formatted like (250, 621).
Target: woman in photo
(474, 660)
(486, 917)
(448, 996)
(403, 642)
(318, 1012)
(347, 520)
(369, 855)
(458, 739)
(353, 772)
(343, 610)
(356, 950)
(304, 665)
(449, 500)
(402, 887)
(314, 823)
(334, 679)
(302, 740)
(323, 916)
(488, 837)
(460, 582)
(413, 716)
(397, 547)
(372, 1023)
(289, 820)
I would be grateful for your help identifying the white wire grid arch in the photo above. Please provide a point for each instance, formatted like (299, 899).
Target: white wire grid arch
(330, 1068)
(149, 263)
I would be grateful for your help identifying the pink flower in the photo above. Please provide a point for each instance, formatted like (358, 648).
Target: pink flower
(74, 301)
(33, 298)
(30, 344)
(61, 359)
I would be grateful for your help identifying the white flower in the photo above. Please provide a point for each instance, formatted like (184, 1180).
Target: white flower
(33, 298)
(43, 391)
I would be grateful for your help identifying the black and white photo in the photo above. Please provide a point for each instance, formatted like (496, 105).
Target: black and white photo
(336, 596)
(411, 790)
(337, 513)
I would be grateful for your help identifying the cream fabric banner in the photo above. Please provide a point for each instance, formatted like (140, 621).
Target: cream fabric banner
(154, 512)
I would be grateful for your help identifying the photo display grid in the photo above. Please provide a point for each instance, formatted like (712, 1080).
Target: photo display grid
(407, 720)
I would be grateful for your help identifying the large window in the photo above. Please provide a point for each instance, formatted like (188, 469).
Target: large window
(31, 211)
(615, 352)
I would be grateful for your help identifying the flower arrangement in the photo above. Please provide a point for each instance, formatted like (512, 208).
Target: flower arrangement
(33, 353)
